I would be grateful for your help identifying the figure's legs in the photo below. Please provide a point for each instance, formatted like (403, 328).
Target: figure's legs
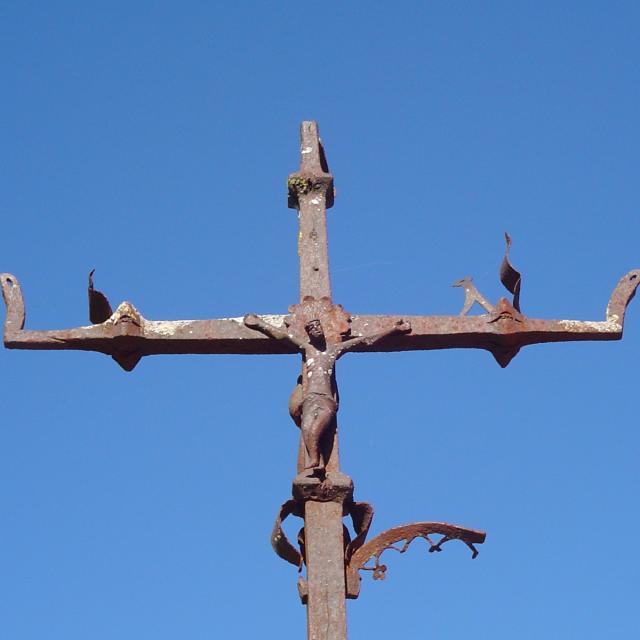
(317, 414)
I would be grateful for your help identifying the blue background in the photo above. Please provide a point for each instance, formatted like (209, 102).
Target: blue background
(152, 140)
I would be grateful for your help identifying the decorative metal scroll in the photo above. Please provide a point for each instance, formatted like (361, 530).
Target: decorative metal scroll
(279, 541)
(509, 276)
(358, 553)
(361, 516)
(374, 549)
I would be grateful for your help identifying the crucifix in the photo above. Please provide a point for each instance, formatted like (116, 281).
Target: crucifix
(322, 332)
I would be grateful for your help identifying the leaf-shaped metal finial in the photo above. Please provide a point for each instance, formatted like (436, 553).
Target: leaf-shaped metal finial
(99, 307)
(509, 276)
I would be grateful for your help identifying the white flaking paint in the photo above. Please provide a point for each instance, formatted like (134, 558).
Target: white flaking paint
(612, 317)
(125, 309)
(275, 320)
(166, 327)
(306, 150)
(170, 327)
(608, 326)
(315, 201)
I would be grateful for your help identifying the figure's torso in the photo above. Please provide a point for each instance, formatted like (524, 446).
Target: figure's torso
(320, 365)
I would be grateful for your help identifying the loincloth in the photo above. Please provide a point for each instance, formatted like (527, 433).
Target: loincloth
(315, 403)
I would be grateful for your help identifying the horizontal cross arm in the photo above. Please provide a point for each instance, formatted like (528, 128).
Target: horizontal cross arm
(503, 331)
(230, 336)
(127, 336)
(223, 335)
(502, 337)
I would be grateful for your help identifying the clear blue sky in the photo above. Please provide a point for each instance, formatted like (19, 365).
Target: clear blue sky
(152, 140)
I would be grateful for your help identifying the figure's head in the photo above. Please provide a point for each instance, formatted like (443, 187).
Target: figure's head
(314, 329)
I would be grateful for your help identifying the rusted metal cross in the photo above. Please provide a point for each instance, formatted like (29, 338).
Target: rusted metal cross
(323, 331)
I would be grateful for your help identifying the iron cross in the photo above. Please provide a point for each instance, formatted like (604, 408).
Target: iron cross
(323, 332)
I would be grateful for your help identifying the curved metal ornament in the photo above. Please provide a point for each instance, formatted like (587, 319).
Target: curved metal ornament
(279, 541)
(12, 294)
(509, 276)
(99, 308)
(374, 549)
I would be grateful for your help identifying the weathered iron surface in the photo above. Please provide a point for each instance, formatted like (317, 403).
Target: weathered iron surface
(311, 193)
(326, 585)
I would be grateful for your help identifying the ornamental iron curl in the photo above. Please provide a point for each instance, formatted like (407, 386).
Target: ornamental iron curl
(374, 549)
(358, 553)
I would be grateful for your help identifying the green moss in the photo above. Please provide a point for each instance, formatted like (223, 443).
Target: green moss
(298, 186)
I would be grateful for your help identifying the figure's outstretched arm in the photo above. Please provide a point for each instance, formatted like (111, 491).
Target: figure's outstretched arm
(255, 322)
(401, 326)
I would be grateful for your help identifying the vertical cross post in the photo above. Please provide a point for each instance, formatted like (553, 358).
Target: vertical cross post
(311, 192)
